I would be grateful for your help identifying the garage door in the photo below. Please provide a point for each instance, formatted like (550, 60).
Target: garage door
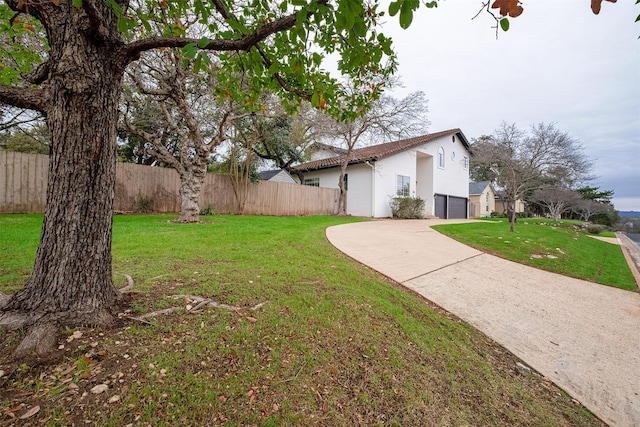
(441, 206)
(457, 207)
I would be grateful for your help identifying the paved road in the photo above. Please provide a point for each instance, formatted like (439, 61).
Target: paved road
(582, 336)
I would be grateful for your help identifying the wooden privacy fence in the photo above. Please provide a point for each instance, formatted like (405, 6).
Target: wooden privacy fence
(23, 184)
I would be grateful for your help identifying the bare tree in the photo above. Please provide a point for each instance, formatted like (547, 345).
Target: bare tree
(522, 163)
(388, 118)
(586, 208)
(190, 126)
(556, 200)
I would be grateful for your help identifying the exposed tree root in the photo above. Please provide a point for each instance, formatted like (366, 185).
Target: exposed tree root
(4, 299)
(42, 328)
(40, 338)
(129, 286)
(212, 303)
(201, 302)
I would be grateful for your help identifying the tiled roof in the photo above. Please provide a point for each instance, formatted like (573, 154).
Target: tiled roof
(375, 152)
(477, 187)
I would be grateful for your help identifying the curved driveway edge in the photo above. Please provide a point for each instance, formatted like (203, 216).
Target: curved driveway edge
(582, 336)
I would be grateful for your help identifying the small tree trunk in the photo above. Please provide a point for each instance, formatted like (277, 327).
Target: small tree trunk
(342, 199)
(511, 213)
(191, 181)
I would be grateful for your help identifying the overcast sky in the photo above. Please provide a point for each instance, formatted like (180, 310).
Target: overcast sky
(558, 63)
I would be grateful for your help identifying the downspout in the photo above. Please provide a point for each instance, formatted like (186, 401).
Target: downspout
(373, 188)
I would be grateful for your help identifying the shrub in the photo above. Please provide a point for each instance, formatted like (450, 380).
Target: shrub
(143, 204)
(524, 214)
(496, 214)
(207, 211)
(595, 228)
(407, 207)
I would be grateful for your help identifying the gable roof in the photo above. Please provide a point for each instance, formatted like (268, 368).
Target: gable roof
(379, 151)
(267, 175)
(478, 187)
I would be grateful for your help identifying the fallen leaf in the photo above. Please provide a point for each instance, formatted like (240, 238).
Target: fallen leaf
(30, 413)
(100, 388)
(251, 319)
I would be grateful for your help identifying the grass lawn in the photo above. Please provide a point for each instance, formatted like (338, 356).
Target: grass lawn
(554, 246)
(334, 345)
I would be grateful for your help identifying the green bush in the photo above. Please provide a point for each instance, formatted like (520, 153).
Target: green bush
(524, 214)
(207, 211)
(143, 204)
(407, 207)
(595, 228)
(496, 214)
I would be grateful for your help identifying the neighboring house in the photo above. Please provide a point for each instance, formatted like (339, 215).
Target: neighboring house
(501, 204)
(434, 167)
(320, 151)
(278, 175)
(482, 199)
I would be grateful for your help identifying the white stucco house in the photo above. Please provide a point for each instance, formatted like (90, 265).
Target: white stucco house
(434, 167)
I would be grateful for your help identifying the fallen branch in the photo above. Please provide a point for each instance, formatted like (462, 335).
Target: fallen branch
(211, 303)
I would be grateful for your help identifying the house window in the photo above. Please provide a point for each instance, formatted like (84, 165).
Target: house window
(466, 162)
(346, 181)
(441, 157)
(313, 182)
(486, 207)
(403, 186)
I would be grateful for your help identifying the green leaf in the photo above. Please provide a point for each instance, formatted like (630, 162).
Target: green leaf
(298, 2)
(406, 15)
(203, 42)
(504, 24)
(77, 3)
(315, 99)
(190, 50)
(394, 7)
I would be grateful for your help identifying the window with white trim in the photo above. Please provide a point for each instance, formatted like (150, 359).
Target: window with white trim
(441, 157)
(403, 186)
(466, 162)
(313, 182)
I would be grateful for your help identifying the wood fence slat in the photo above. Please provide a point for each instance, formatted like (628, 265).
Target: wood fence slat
(23, 185)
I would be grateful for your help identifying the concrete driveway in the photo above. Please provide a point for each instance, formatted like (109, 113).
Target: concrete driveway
(582, 336)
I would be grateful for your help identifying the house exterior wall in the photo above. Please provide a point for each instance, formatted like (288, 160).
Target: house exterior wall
(453, 179)
(501, 205)
(283, 176)
(479, 203)
(419, 164)
(359, 179)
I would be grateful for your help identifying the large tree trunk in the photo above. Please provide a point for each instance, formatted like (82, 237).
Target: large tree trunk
(191, 180)
(71, 282)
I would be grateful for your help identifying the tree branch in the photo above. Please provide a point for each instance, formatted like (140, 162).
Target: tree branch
(133, 50)
(39, 75)
(30, 98)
